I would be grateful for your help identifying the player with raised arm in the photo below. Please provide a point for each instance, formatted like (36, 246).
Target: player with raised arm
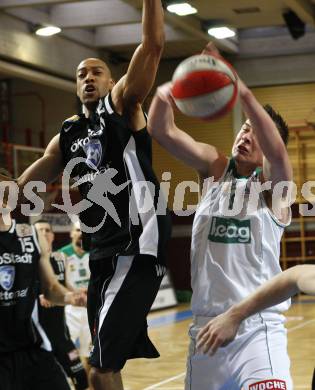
(235, 247)
(127, 247)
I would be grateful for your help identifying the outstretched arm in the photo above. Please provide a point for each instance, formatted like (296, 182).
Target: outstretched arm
(47, 168)
(222, 329)
(133, 88)
(206, 159)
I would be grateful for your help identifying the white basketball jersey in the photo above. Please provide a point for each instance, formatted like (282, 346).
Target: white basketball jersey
(235, 245)
(77, 267)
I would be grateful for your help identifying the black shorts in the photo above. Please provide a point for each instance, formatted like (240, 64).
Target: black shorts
(121, 292)
(33, 369)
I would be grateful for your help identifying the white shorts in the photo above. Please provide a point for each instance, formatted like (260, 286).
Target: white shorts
(77, 321)
(256, 360)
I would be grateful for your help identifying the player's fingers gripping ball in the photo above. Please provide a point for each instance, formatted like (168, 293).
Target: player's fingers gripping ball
(204, 86)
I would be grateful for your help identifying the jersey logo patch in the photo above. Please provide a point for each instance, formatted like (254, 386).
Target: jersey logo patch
(67, 127)
(23, 230)
(7, 275)
(93, 151)
(230, 231)
(270, 384)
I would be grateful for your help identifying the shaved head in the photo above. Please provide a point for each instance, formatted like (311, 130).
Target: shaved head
(76, 234)
(96, 62)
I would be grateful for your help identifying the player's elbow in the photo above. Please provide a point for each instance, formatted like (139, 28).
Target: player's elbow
(166, 139)
(47, 291)
(158, 129)
(49, 288)
(158, 46)
(304, 278)
(158, 134)
(154, 45)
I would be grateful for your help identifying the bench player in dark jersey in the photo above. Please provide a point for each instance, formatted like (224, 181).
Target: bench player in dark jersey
(127, 252)
(53, 320)
(26, 360)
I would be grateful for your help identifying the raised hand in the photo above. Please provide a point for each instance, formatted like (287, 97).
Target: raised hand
(211, 49)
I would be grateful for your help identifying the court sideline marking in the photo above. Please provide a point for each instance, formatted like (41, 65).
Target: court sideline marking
(156, 385)
(300, 325)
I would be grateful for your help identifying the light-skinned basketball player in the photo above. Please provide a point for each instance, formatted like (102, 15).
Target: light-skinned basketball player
(77, 277)
(111, 133)
(53, 319)
(231, 256)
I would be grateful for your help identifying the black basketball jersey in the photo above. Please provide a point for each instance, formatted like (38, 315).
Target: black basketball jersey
(57, 261)
(115, 165)
(52, 319)
(19, 259)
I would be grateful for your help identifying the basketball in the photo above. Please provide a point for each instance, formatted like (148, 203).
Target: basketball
(204, 86)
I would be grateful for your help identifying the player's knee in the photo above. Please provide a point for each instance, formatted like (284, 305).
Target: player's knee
(101, 376)
(93, 375)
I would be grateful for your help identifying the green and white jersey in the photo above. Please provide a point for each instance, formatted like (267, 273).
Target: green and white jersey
(235, 244)
(77, 267)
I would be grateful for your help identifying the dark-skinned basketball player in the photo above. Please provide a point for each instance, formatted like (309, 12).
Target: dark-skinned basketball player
(128, 252)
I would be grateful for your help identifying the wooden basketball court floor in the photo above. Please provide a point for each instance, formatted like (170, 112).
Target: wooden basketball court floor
(168, 331)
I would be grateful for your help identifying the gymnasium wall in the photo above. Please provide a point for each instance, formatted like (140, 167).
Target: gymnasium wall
(295, 102)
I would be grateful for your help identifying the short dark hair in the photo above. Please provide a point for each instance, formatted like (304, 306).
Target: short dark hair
(282, 126)
(43, 221)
